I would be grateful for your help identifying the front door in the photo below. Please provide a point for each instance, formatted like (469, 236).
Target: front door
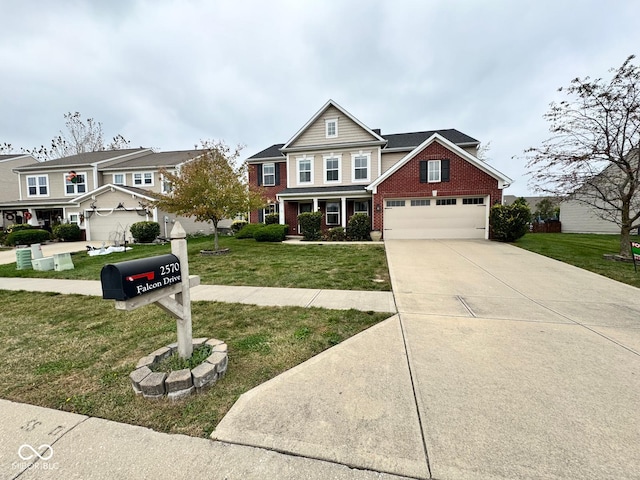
(304, 208)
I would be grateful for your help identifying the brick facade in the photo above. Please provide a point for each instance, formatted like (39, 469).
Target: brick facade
(269, 192)
(465, 180)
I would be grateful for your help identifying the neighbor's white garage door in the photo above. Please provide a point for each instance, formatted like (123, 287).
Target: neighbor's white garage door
(435, 218)
(108, 228)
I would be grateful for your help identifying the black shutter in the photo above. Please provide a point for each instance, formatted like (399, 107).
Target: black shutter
(445, 170)
(277, 169)
(259, 170)
(423, 171)
(260, 216)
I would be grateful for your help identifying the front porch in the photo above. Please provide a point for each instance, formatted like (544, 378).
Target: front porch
(336, 204)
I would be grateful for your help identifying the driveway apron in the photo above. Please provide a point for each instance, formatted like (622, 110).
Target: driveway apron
(524, 367)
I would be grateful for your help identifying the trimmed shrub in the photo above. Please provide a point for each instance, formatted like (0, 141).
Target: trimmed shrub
(28, 237)
(271, 219)
(67, 232)
(509, 222)
(311, 225)
(271, 233)
(248, 230)
(336, 234)
(16, 227)
(238, 225)
(358, 227)
(145, 232)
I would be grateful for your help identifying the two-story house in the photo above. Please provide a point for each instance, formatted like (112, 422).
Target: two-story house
(9, 185)
(103, 192)
(425, 184)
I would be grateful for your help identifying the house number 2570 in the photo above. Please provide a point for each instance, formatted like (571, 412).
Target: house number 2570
(169, 268)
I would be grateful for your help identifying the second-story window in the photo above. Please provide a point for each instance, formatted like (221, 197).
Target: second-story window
(118, 179)
(332, 168)
(75, 183)
(143, 179)
(361, 166)
(38, 186)
(305, 170)
(269, 174)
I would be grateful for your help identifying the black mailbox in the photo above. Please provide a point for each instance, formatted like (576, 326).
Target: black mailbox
(124, 280)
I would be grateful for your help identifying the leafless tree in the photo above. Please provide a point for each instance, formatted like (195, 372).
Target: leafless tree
(592, 155)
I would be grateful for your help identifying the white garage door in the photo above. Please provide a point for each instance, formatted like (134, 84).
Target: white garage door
(418, 218)
(112, 227)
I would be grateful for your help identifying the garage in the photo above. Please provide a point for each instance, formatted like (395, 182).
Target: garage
(112, 226)
(435, 217)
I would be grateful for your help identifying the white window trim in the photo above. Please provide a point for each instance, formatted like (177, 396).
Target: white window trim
(327, 213)
(429, 170)
(74, 218)
(264, 176)
(366, 202)
(163, 185)
(124, 178)
(324, 168)
(75, 192)
(353, 167)
(142, 174)
(304, 158)
(38, 194)
(330, 121)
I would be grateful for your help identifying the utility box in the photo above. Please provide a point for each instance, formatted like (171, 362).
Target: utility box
(43, 264)
(62, 261)
(125, 280)
(23, 259)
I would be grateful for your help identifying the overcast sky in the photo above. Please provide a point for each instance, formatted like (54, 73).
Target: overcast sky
(167, 74)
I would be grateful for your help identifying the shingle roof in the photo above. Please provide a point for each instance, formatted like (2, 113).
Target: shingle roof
(86, 158)
(413, 139)
(271, 152)
(161, 159)
(406, 141)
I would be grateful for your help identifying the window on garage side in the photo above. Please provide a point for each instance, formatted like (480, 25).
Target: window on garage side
(420, 202)
(434, 171)
(395, 203)
(473, 201)
(333, 213)
(446, 201)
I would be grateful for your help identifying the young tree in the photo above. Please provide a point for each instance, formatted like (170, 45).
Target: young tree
(592, 156)
(81, 136)
(210, 188)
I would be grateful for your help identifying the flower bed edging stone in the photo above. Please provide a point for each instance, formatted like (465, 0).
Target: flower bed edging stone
(180, 383)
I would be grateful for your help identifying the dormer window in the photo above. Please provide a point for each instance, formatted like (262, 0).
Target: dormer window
(331, 127)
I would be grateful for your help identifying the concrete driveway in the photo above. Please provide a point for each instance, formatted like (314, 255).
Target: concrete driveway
(524, 367)
(501, 364)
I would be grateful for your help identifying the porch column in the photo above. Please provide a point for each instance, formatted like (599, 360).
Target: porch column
(281, 219)
(343, 210)
(315, 204)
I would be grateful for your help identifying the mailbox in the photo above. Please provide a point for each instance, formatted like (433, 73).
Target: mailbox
(124, 280)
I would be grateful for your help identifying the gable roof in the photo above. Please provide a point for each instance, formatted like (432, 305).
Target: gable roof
(313, 119)
(272, 152)
(503, 180)
(140, 192)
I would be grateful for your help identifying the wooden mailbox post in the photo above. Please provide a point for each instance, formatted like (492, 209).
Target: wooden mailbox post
(137, 283)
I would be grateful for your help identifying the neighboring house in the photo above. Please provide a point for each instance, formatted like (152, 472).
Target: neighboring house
(414, 185)
(586, 215)
(102, 192)
(9, 186)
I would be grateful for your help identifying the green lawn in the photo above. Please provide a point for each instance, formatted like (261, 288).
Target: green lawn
(75, 353)
(584, 251)
(336, 266)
